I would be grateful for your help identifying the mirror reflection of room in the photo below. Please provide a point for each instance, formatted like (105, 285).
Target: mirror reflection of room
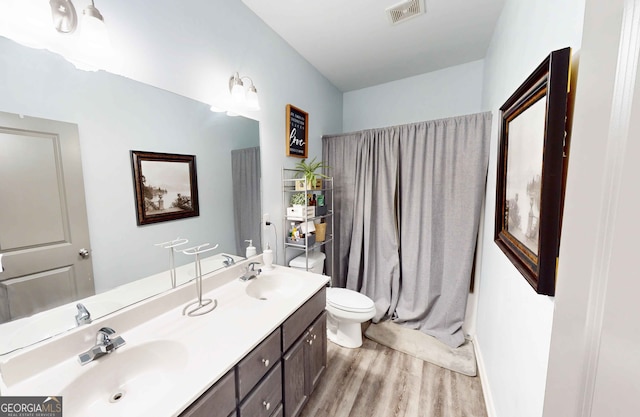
(108, 115)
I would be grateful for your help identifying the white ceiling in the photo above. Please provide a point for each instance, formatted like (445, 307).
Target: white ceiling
(352, 43)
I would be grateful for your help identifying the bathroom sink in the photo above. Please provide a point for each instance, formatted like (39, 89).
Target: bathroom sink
(125, 382)
(267, 287)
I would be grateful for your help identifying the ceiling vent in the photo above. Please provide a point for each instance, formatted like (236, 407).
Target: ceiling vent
(405, 10)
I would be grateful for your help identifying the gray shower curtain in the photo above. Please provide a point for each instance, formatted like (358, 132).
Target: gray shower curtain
(407, 203)
(245, 175)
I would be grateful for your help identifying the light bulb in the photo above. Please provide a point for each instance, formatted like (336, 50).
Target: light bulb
(237, 93)
(252, 99)
(94, 31)
(93, 50)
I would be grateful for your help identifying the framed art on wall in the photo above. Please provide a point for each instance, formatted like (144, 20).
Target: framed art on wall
(297, 132)
(165, 186)
(531, 172)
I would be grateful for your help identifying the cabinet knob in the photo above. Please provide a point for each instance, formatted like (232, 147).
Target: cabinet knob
(310, 342)
(266, 362)
(314, 337)
(266, 405)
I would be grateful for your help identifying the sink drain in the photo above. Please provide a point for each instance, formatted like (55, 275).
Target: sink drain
(116, 397)
(262, 298)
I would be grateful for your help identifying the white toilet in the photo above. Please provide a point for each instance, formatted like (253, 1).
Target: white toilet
(347, 309)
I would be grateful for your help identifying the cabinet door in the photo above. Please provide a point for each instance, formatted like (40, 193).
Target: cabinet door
(295, 391)
(316, 352)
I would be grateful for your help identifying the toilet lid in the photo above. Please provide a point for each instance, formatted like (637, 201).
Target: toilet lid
(348, 300)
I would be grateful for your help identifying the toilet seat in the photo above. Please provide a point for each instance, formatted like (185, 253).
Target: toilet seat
(349, 300)
(347, 311)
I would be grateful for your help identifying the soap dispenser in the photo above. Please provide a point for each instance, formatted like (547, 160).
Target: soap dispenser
(267, 258)
(251, 250)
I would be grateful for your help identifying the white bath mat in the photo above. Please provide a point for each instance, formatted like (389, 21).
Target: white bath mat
(425, 347)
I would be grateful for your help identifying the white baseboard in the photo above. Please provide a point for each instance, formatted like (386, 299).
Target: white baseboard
(484, 380)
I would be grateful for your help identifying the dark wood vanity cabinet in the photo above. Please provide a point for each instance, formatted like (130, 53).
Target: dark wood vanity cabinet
(266, 398)
(261, 399)
(305, 360)
(218, 401)
(316, 358)
(278, 376)
(294, 387)
(303, 365)
(256, 364)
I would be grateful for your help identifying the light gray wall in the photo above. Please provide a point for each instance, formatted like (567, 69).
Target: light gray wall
(513, 329)
(115, 115)
(449, 92)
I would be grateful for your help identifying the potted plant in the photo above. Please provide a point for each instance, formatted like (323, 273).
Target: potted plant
(299, 210)
(298, 199)
(308, 172)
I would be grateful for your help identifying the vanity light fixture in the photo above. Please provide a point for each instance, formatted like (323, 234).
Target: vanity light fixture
(247, 98)
(91, 48)
(64, 16)
(93, 28)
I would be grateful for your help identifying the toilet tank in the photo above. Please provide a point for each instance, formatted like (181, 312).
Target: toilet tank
(316, 262)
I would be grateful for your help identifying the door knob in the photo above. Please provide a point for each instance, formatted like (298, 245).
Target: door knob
(84, 253)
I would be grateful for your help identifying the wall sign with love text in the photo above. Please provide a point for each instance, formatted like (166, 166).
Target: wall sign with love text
(297, 132)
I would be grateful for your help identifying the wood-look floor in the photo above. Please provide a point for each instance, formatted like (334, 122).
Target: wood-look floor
(376, 381)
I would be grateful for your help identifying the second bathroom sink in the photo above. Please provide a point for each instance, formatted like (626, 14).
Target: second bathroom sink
(125, 382)
(267, 287)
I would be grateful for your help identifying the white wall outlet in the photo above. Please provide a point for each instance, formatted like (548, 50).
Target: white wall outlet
(265, 218)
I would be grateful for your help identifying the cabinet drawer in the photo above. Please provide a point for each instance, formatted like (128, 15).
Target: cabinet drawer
(258, 362)
(218, 401)
(279, 412)
(302, 318)
(266, 398)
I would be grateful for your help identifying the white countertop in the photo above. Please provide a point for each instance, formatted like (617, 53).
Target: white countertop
(213, 343)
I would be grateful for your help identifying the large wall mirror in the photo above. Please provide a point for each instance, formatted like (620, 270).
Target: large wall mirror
(115, 115)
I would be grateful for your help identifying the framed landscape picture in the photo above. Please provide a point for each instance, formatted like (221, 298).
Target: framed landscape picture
(165, 185)
(531, 172)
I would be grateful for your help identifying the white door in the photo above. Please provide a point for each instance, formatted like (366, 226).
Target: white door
(594, 360)
(44, 234)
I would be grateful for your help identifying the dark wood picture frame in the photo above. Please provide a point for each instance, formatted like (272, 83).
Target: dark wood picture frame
(156, 175)
(531, 172)
(297, 132)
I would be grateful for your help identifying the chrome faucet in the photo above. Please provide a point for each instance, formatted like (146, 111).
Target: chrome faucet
(250, 272)
(104, 345)
(228, 260)
(83, 316)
